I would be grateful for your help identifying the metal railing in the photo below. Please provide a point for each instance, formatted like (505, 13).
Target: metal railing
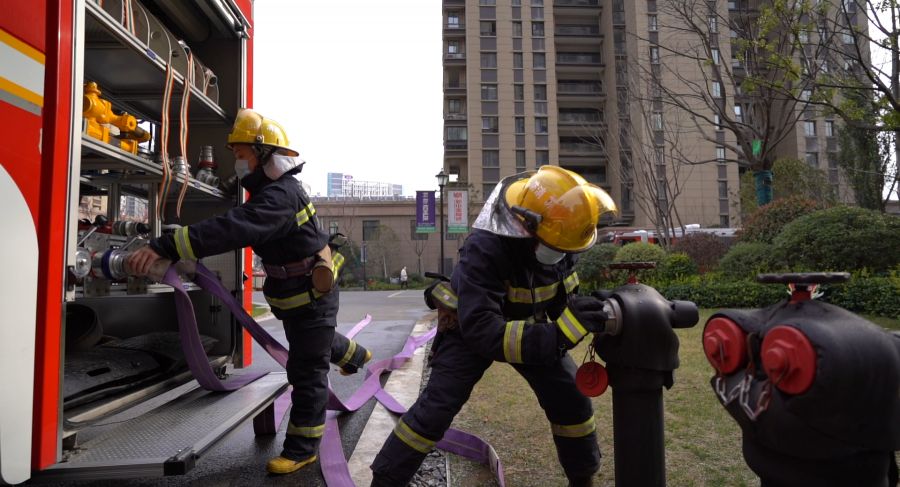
(579, 147)
(578, 30)
(589, 88)
(456, 144)
(571, 58)
(576, 3)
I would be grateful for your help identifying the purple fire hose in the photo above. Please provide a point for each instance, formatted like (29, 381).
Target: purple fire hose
(331, 454)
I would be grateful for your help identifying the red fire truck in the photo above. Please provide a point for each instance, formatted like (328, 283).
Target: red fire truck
(116, 107)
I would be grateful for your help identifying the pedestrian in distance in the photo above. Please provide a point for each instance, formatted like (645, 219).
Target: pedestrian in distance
(279, 222)
(404, 283)
(512, 298)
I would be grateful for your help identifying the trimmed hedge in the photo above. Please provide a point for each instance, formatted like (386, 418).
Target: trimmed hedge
(746, 259)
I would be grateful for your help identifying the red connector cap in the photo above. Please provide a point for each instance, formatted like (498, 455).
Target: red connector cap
(789, 359)
(725, 345)
(591, 379)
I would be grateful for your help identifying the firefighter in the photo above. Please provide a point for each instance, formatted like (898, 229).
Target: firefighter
(280, 223)
(512, 299)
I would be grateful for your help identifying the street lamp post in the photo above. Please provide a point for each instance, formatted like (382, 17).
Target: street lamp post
(442, 179)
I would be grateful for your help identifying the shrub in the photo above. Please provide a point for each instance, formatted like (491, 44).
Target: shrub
(839, 239)
(764, 224)
(703, 248)
(746, 259)
(719, 293)
(640, 252)
(872, 295)
(592, 265)
(676, 266)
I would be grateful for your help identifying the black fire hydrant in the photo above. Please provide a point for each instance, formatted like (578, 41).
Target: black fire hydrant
(640, 360)
(814, 388)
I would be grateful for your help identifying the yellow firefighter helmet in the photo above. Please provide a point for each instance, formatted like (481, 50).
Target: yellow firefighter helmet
(560, 208)
(252, 128)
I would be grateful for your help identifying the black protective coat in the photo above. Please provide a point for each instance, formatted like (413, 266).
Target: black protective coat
(489, 266)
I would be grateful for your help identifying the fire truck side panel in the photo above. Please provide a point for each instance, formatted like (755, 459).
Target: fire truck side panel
(21, 100)
(246, 7)
(56, 152)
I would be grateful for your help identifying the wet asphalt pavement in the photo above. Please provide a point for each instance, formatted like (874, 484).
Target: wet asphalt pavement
(239, 459)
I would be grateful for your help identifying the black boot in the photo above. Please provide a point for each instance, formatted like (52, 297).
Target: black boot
(382, 481)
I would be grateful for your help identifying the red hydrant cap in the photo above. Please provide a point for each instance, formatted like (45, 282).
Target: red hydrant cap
(591, 379)
(725, 344)
(789, 359)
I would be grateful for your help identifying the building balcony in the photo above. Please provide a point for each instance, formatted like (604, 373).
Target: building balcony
(454, 58)
(456, 145)
(580, 119)
(458, 89)
(577, 31)
(457, 29)
(579, 88)
(578, 59)
(580, 149)
(454, 3)
(455, 116)
(577, 7)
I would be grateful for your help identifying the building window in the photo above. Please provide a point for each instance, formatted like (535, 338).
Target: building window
(805, 95)
(738, 114)
(490, 158)
(489, 60)
(829, 128)
(518, 91)
(713, 24)
(812, 158)
(803, 37)
(720, 153)
(723, 221)
(454, 106)
(538, 3)
(540, 108)
(652, 23)
(370, 230)
(453, 47)
(488, 92)
(488, 28)
(488, 2)
(654, 54)
(809, 128)
(540, 92)
(715, 56)
(542, 158)
(540, 60)
(332, 228)
(520, 125)
(717, 121)
(457, 133)
(453, 21)
(490, 125)
(716, 89)
(517, 60)
(520, 156)
(540, 125)
(537, 29)
(657, 120)
(517, 29)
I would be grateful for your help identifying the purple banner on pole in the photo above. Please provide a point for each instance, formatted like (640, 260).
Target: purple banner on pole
(425, 212)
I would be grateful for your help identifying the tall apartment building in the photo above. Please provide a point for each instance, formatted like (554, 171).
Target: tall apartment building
(534, 82)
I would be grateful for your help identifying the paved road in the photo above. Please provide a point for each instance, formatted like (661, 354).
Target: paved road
(240, 459)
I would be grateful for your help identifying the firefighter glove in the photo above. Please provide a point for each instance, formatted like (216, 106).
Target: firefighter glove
(583, 315)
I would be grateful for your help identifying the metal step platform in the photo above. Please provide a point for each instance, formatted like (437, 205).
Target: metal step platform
(169, 440)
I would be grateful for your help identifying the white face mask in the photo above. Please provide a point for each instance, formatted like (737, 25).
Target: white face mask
(242, 168)
(547, 256)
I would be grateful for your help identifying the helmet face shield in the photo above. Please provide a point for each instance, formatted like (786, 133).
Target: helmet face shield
(495, 215)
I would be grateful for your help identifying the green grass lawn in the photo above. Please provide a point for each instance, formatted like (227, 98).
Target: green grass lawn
(703, 443)
(259, 310)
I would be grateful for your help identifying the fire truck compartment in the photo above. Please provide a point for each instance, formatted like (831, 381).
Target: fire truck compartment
(171, 438)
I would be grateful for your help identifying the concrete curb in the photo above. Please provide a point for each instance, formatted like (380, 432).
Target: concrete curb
(404, 384)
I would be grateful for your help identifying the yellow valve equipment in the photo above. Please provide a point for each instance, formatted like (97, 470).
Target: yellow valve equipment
(99, 118)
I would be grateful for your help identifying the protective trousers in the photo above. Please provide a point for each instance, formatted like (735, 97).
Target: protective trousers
(347, 354)
(309, 352)
(455, 369)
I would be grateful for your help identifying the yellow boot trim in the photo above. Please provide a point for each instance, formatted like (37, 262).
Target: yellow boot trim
(280, 465)
(365, 361)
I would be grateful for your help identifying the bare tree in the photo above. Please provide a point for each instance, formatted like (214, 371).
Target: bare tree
(743, 87)
(652, 165)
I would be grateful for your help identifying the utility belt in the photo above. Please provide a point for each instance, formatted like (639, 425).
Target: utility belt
(319, 267)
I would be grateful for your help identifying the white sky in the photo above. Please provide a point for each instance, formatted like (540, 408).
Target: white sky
(357, 85)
